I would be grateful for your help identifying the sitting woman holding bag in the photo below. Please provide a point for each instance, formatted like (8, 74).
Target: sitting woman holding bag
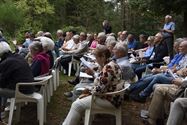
(109, 80)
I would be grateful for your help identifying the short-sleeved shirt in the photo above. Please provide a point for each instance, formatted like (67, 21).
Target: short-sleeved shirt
(169, 26)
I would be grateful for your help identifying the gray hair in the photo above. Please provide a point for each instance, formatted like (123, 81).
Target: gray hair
(36, 46)
(179, 40)
(122, 47)
(60, 31)
(4, 47)
(47, 43)
(110, 38)
(102, 35)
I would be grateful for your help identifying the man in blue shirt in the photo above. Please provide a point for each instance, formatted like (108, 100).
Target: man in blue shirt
(132, 43)
(168, 32)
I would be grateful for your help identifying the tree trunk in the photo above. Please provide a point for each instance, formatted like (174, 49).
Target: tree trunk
(123, 14)
(185, 23)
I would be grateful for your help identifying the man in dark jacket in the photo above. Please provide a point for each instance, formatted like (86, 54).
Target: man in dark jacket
(13, 69)
(159, 52)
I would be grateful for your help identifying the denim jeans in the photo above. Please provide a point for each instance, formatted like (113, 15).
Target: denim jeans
(158, 78)
(140, 84)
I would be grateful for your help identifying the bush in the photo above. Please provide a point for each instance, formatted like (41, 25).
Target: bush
(11, 18)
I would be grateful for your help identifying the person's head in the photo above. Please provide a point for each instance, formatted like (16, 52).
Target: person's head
(177, 44)
(82, 36)
(101, 38)
(120, 50)
(119, 33)
(47, 43)
(130, 38)
(59, 33)
(48, 34)
(102, 55)
(4, 48)
(158, 38)
(110, 45)
(35, 48)
(168, 18)
(69, 35)
(142, 38)
(27, 35)
(150, 40)
(39, 33)
(105, 23)
(76, 39)
(90, 37)
(109, 39)
(183, 47)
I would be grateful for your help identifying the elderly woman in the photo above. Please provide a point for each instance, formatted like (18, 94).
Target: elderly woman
(41, 62)
(109, 80)
(48, 46)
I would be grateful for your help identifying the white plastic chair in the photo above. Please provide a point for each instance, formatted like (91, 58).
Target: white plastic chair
(113, 111)
(35, 97)
(73, 62)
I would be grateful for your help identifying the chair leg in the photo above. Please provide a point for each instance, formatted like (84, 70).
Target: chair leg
(87, 119)
(57, 77)
(54, 79)
(51, 86)
(48, 95)
(12, 104)
(118, 118)
(18, 111)
(41, 111)
(69, 70)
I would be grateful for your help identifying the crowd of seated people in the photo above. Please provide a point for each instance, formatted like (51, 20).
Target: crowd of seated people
(111, 61)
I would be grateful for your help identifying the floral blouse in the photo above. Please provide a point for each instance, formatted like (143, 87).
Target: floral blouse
(110, 80)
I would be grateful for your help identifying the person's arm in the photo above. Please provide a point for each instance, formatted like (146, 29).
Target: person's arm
(171, 30)
(36, 68)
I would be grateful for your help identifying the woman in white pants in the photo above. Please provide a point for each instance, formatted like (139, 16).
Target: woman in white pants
(109, 80)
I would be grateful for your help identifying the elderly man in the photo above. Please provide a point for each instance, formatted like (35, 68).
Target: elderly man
(60, 41)
(162, 96)
(13, 69)
(123, 37)
(145, 85)
(131, 42)
(178, 112)
(101, 37)
(168, 33)
(159, 52)
(121, 56)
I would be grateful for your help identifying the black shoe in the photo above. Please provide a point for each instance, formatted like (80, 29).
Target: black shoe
(72, 82)
(68, 94)
(146, 121)
(138, 98)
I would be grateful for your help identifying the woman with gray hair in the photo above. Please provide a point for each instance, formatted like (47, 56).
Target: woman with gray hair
(41, 62)
(48, 46)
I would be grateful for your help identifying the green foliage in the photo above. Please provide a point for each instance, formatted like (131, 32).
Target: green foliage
(11, 17)
(18, 16)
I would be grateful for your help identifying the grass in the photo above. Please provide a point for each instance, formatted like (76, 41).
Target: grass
(59, 106)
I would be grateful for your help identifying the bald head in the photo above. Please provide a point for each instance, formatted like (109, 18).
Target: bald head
(183, 47)
(158, 38)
